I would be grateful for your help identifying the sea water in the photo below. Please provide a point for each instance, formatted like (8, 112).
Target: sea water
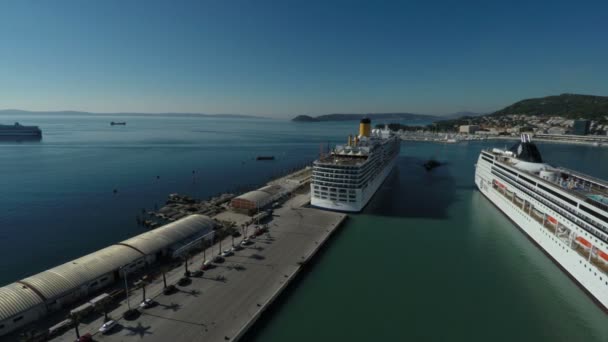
(429, 259)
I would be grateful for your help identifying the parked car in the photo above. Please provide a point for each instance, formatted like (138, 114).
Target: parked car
(107, 326)
(218, 258)
(226, 253)
(236, 234)
(236, 248)
(148, 302)
(246, 242)
(183, 281)
(197, 273)
(206, 265)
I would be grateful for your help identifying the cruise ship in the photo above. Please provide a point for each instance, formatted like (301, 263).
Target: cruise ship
(563, 211)
(18, 130)
(347, 178)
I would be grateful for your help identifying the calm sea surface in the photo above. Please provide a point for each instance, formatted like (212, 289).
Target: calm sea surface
(429, 259)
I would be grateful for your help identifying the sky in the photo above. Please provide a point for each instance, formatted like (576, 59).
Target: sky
(283, 58)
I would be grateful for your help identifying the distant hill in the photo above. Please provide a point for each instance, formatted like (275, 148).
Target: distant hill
(71, 112)
(374, 117)
(572, 106)
(461, 115)
(305, 118)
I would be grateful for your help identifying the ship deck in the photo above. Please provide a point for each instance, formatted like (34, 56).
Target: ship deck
(557, 229)
(333, 160)
(590, 189)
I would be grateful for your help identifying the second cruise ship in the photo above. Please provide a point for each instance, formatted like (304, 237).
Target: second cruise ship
(347, 178)
(563, 211)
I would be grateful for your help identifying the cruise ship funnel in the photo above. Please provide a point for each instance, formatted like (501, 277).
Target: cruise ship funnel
(365, 127)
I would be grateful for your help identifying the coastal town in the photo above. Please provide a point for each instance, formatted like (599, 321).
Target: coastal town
(542, 128)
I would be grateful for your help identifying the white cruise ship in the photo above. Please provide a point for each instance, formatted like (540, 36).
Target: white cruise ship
(563, 211)
(347, 178)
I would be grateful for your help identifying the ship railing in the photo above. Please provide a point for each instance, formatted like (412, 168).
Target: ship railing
(569, 213)
(601, 183)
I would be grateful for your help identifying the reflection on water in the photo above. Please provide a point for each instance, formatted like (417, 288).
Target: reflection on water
(412, 191)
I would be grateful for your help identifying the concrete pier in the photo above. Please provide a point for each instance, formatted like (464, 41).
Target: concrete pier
(226, 301)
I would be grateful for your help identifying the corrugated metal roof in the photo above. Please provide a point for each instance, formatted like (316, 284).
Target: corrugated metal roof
(63, 278)
(160, 238)
(273, 189)
(256, 196)
(16, 298)
(52, 283)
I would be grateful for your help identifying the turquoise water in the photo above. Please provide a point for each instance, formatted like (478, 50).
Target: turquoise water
(429, 259)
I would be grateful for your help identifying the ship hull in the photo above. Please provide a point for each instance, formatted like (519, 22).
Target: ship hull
(559, 248)
(363, 195)
(20, 134)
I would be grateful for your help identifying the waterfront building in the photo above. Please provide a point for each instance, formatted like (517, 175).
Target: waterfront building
(581, 127)
(468, 129)
(30, 299)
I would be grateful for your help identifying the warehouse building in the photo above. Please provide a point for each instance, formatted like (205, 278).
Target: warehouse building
(165, 240)
(257, 199)
(29, 299)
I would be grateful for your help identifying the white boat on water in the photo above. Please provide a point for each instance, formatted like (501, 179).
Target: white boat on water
(349, 176)
(563, 211)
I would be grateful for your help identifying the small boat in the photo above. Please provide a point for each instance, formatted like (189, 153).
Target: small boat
(581, 241)
(431, 164)
(120, 123)
(264, 158)
(603, 256)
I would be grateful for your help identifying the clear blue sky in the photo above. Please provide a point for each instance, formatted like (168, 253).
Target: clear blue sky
(281, 58)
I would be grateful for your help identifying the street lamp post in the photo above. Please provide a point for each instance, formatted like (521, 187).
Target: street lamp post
(124, 271)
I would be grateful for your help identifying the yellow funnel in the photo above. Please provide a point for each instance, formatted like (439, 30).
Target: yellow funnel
(365, 127)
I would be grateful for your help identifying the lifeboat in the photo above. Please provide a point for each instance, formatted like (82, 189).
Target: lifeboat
(603, 256)
(552, 220)
(581, 241)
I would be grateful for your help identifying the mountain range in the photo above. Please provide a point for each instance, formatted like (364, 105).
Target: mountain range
(571, 106)
(374, 117)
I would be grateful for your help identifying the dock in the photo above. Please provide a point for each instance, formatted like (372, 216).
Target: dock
(226, 301)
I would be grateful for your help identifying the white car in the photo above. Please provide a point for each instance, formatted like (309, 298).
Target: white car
(146, 303)
(227, 253)
(107, 326)
(245, 242)
(236, 248)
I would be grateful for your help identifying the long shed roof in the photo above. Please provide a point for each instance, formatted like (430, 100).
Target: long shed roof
(16, 298)
(64, 278)
(55, 282)
(167, 235)
(255, 196)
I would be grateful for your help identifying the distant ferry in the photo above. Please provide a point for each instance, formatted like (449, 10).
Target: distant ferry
(18, 130)
(348, 177)
(120, 123)
(264, 158)
(563, 211)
